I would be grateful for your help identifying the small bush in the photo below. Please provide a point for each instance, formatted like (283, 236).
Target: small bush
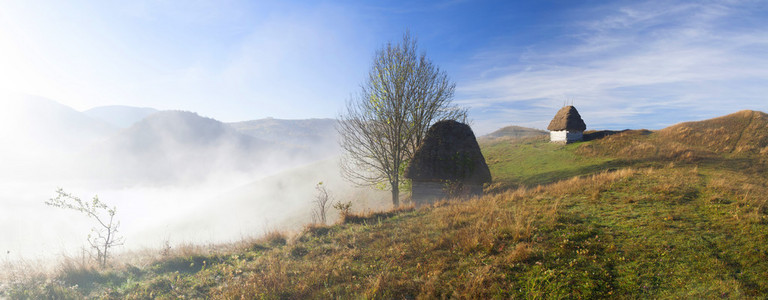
(317, 229)
(276, 238)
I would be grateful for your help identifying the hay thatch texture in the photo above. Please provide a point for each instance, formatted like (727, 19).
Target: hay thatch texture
(449, 152)
(567, 118)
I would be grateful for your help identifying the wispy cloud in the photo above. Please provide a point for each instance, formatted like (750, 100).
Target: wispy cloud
(646, 65)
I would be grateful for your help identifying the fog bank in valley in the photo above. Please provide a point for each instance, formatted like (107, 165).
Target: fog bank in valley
(174, 176)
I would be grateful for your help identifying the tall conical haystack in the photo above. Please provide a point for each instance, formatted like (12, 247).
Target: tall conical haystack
(567, 125)
(448, 162)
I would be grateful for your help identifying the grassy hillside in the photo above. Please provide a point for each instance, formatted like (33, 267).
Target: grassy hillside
(742, 132)
(636, 214)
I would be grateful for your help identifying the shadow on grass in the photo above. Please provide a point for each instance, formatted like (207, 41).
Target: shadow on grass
(89, 278)
(592, 135)
(741, 164)
(555, 176)
(184, 264)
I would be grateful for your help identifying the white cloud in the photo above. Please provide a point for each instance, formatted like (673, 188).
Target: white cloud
(633, 61)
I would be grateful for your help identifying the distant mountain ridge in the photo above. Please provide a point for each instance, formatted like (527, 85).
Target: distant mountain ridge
(181, 146)
(514, 132)
(143, 145)
(183, 127)
(317, 136)
(297, 131)
(120, 115)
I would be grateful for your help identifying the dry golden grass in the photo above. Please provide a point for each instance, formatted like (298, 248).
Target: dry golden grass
(441, 245)
(526, 242)
(740, 132)
(749, 193)
(645, 146)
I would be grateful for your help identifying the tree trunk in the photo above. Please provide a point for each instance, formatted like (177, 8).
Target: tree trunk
(395, 195)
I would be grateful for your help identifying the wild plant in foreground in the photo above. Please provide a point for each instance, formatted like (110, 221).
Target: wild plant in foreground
(102, 238)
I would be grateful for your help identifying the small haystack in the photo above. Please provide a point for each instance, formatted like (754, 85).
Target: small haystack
(448, 163)
(567, 126)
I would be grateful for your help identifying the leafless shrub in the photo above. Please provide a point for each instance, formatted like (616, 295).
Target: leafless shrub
(321, 204)
(103, 237)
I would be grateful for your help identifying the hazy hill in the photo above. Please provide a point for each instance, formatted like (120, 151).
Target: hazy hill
(182, 128)
(318, 136)
(514, 132)
(298, 131)
(119, 115)
(39, 136)
(40, 122)
(176, 145)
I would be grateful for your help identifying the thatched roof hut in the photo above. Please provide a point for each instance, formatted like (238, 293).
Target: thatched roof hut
(567, 118)
(448, 154)
(567, 126)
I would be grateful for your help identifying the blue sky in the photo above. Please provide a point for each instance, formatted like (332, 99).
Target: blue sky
(625, 64)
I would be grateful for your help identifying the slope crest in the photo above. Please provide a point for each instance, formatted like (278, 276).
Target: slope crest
(745, 131)
(119, 115)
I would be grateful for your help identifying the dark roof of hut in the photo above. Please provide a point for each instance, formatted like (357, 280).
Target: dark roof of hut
(567, 118)
(449, 152)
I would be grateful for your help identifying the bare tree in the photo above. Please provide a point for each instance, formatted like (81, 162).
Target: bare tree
(102, 238)
(322, 204)
(387, 120)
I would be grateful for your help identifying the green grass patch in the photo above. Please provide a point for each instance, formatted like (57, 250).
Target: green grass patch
(537, 161)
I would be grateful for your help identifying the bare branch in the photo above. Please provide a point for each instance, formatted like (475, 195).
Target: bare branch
(322, 203)
(102, 238)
